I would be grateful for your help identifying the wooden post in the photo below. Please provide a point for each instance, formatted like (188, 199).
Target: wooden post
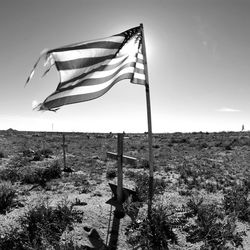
(43, 142)
(150, 136)
(119, 168)
(64, 153)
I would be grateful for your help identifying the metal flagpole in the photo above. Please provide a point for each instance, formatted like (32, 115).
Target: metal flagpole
(150, 137)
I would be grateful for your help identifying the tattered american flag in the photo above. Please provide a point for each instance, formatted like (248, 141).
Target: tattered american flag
(88, 70)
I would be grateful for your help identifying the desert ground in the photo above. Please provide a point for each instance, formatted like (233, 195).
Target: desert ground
(49, 200)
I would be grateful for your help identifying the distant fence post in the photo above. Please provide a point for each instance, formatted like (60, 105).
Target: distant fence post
(64, 152)
(43, 141)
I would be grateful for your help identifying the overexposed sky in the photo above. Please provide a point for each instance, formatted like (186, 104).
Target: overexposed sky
(198, 58)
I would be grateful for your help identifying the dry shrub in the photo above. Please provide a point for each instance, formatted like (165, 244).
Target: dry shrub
(30, 174)
(156, 232)
(9, 174)
(7, 195)
(236, 201)
(12, 169)
(40, 174)
(212, 227)
(2, 154)
(142, 185)
(41, 227)
(111, 173)
(17, 162)
(52, 170)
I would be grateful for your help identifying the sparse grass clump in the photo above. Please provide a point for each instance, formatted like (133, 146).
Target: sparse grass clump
(236, 201)
(212, 227)
(40, 174)
(52, 170)
(2, 154)
(41, 227)
(111, 173)
(37, 155)
(81, 182)
(17, 162)
(46, 152)
(11, 171)
(30, 174)
(7, 195)
(142, 183)
(9, 174)
(155, 233)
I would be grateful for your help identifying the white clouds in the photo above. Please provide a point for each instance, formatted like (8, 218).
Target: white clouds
(225, 109)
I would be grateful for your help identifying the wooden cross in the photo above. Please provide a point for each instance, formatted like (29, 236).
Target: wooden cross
(126, 159)
(120, 194)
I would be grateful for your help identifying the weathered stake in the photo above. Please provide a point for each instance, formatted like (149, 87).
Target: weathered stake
(64, 152)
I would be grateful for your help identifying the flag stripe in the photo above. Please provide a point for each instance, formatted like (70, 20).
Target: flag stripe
(68, 76)
(98, 79)
(70, 99)
(84, 53)
(140, 56)
(80, 63)
(138, 81)
(108, 72)
(105, 42)
(103, 71)
(90, 87)
(139, 76)
(140, 60)
(94, 45)
(139, 71)
(139, 65)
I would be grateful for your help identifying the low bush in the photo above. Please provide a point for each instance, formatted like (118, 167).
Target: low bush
(130, 174)
(46, 152)
(143, 163)
(28, 153)
(37, 155)
(31, 174)
(193, 205)
(40, 174)
(79, 180)
(155, 233)
(2, 154)
(142, 184)
(111, 173)
(185, 192)
(17, 162)
(7, 195)
(15, 239)
(9, 174)
(41, 227)
(43, 223)
(236, 201)
(52, 171)
(212, 227)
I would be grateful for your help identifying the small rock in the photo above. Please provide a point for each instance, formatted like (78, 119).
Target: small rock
(97, 194)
